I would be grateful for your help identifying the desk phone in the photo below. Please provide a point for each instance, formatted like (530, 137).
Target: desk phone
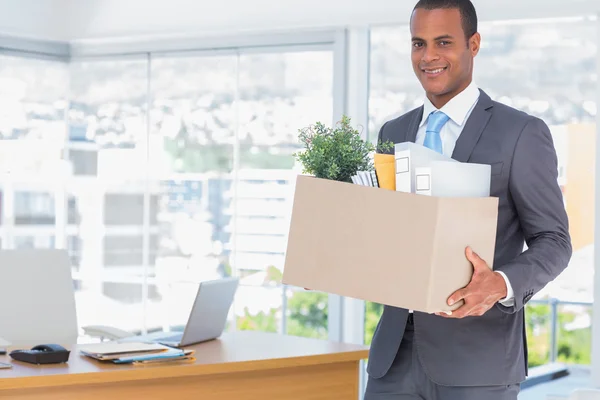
(42, 354)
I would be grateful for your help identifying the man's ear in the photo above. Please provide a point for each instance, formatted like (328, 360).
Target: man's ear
(475, 43)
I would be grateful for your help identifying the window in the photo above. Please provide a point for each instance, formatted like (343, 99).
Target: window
(109, 222)
(33, 96)
(279, 94)
(192, 136)
(223, 134)
(150, 198)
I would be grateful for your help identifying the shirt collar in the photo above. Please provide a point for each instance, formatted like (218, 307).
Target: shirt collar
(457, 108)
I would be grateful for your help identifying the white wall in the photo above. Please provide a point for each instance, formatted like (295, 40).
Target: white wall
(114, 18)
(34, 19)
(101, 19)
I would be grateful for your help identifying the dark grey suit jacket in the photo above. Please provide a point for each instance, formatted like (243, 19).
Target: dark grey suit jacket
(491, 349)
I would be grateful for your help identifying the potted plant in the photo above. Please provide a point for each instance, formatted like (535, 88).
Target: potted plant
(337, 153)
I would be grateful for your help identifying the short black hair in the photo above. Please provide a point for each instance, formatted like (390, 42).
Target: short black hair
(468, 14)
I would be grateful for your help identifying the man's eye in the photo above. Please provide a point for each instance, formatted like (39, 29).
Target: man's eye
(444, 43)
(417, 44)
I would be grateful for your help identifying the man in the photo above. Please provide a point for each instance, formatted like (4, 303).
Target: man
(479, 351)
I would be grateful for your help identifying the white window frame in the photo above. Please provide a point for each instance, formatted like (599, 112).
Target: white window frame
(595, 308)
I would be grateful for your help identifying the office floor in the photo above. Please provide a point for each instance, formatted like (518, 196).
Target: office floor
(559, 389)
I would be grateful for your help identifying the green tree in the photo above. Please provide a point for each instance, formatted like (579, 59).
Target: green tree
(262, 157)
(265, 322)
(188, 154)
(574, 346)
(307, 314)
(373, 312)
(537, 317)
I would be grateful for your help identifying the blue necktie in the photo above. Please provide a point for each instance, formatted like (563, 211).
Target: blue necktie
(433, 140)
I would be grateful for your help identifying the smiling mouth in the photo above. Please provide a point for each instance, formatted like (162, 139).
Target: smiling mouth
(434, 71)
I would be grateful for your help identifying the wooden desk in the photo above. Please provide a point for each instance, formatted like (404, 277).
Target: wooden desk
(241, 365)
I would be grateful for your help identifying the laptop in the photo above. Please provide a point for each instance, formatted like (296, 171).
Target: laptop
(207, 318)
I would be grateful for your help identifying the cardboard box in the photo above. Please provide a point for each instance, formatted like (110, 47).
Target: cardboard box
(401, 249)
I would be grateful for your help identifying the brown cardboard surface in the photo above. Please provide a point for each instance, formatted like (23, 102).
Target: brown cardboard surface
(389, 247)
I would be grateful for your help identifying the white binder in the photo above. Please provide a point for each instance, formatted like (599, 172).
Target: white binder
(410, 156)
(453, 179)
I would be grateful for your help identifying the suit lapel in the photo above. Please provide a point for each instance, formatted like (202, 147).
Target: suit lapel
(473, 128)
(413, 128)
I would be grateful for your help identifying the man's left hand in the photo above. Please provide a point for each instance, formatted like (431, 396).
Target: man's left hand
(484, 290)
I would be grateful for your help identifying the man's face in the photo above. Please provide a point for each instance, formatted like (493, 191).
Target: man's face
(441, 56)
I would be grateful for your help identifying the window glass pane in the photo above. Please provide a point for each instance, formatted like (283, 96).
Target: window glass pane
(33, 99)
(39, 241)
(547, 69)
(105, 199)
(307, 313)
(373, 312)
(34, 208)
(280, 93)
(193, 114)
(539, 329)
(191, 157)
(32, 115)
(203, 192)
(258, 308)
(574, 336)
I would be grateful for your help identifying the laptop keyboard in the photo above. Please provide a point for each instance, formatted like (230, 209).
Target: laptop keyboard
(175, 338)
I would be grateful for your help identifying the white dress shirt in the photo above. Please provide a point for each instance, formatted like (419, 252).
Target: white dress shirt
(458, 109)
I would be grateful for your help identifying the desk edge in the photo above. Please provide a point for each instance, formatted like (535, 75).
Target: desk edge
(147, 372)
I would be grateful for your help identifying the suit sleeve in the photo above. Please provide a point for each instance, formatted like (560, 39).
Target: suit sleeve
(533, 186)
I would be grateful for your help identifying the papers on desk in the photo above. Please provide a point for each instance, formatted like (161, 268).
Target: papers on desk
(113, 350)
(134, 353)
(166, 356)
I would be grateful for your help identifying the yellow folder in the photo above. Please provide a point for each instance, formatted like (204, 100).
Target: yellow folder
(386, 170)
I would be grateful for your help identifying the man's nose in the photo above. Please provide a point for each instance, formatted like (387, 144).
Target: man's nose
(430, 55)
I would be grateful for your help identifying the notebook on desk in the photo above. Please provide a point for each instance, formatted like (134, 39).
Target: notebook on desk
(114, 350)
(135, 353)
(163, 357)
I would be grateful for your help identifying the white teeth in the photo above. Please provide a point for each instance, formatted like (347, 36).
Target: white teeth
(435, 71)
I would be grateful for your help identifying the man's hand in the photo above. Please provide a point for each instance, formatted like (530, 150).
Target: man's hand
(484, 290)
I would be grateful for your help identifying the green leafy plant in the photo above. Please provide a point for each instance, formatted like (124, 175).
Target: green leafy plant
(336, 153)
(385, 147)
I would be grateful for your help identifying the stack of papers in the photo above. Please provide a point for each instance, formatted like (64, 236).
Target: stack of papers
(166, 356)
(134, 353)
(365, 178)
(415, 168)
